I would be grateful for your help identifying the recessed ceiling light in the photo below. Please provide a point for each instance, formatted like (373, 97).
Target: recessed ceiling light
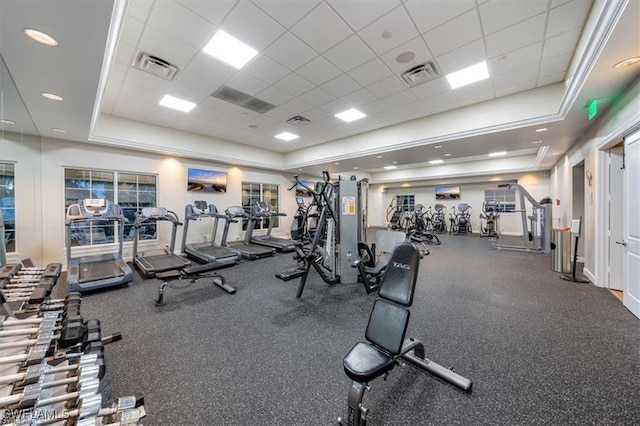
(541, 129)
(534, 142)
(405, 57)
(286, 136)
(6, 121)
(41, 37)
(336, 163)
(627, 62)
(390, 167)
(229, 49)
(387, 34)
(447, 155)
(299, 170)
(378, 156)
(498, 154)
(177, 103)
(436, 161)
(437, 147)
(350, 115)
(58, 130)
(395, 162)
(556, 153)
(355, 168)
(468, 75)
(52, 96)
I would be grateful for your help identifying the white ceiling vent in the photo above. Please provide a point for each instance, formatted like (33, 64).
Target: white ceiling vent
(154, 65)
(299, 121)
(421, 74)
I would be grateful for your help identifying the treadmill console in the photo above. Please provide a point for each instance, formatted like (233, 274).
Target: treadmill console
(300, 202)
(200, 207)
(154, 212)
(95, 206)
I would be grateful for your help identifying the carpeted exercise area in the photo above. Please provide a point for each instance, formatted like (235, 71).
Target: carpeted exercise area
(539, 350)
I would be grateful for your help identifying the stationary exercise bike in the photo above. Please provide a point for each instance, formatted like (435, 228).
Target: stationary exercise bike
(460, 223)
(489, 219)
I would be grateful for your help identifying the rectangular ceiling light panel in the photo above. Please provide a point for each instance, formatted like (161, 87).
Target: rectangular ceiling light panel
(177, 103)
(229, 49)
(468, 75)
(350, 115)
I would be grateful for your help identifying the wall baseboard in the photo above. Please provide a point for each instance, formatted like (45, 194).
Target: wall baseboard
(590, 276)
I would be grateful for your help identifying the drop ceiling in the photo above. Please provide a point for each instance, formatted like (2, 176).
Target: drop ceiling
(318, 58)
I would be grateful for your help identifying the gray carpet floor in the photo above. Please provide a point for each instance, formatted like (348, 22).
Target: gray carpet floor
(539, 350)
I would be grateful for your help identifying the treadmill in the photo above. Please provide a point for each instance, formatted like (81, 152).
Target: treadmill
(208, 251)
(248, 250)
(263, 211)
(98, 270)
(152, 261)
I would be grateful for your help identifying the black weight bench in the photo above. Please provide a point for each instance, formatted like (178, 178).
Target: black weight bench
(386, 345)
(192, 273)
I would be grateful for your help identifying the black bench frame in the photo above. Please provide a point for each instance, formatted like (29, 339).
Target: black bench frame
(386, 345)
(193, 273)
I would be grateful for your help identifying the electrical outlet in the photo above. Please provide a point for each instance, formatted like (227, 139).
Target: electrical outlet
(204, 237)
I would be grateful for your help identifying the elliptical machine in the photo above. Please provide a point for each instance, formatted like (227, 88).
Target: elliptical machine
(417, 230)
(489, 219)
(299, 224)
(461, 221)
(438, 222)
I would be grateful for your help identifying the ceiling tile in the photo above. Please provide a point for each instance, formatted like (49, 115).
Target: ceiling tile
(400, 98)
(125, 54)
(286, 12)
(316, 115)
(386, 87)
(398, 23)
(322, 29)
(569, 16)
(294, 84)
(516, 77)
(561, 44)
(359, 97)
(118, 71)
(417, 46)
(290, 51)
(375, 107)
(318, 71)
(358, 14)
(460, 58)
(159, 44)
(482, 97)
(372, 71)
(429, 14)
(349, 54)
(555, 65)
(455, 33)
(274, 96)
(551, 78)
(252, 26)
(212, 11)
(341, 86)
(442, 102)
(131, 31)
(139, 9)
(479, 88)
(500, 14)
(211, 67)
(430, 88)
(336, 106)
(529, 55)
(556, 3)
(181, 23)
(132, 108)
(297, 107)
(147, 81)
(521, 87)
(279, 113)
(516, 37)
(317, 96)
(246, 83)
(265, 69)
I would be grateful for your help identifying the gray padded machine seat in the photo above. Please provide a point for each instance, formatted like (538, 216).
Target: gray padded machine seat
(386, 345)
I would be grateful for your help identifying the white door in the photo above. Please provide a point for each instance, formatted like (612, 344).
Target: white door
(631, 242)
(616, 185)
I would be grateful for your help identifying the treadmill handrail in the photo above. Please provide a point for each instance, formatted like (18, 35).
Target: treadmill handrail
(169, 216)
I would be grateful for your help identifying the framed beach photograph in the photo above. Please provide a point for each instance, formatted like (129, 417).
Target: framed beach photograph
(448, 192)
(199, 180)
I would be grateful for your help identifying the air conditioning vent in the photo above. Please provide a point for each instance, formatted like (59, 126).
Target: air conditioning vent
(299, 121)
(154, 65)
(236, 97)
(421, 74)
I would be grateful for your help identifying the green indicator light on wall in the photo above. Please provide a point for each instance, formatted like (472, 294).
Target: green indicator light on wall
(593, 108)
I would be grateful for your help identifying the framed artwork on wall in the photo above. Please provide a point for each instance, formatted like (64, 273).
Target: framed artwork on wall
(199, 180)
(448, 192)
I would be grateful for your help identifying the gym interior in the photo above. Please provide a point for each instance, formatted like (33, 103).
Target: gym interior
(448, 252)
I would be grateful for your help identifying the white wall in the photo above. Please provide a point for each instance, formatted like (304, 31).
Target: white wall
(472, 193)
(40, 201)
(606, 132)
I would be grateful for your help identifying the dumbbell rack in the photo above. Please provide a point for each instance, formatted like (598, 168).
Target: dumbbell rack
(27, 285)
(51, 363)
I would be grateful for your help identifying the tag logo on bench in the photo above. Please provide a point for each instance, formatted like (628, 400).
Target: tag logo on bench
(401, 265)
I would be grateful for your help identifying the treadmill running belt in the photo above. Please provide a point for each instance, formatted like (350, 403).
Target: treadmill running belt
(160, 263)
(100, 270)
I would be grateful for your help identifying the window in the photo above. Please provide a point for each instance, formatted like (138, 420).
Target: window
(252, 192)
(8, 205)
(131, 191)
(506, 198)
